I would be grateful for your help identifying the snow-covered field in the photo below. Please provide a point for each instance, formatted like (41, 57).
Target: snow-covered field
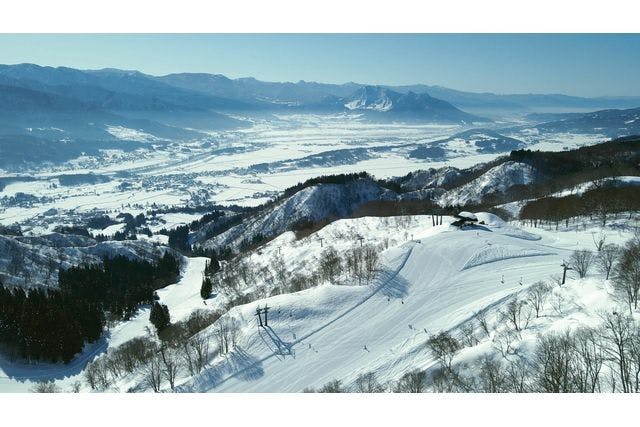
(431, 278)
(245, 167)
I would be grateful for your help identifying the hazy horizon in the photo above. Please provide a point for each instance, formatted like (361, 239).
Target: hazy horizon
(573, 64)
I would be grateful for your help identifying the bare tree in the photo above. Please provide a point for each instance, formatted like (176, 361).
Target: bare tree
(280, 270)
(492, 376)
(599, 240)
(411, 382)
(591, 358)
(97, 375)
(627, 273)
(555, 363)
(299, 282)
(518, 375)
(633, 351)
(481, 319)
(226, 331)
(468, 332)
(558, 302)
(133, 353)
(45, 386)
(617, 333)
(371, 260)
(355, 264)
(504, 341)
(449, 381)
(171, 365)
(245, 270)
(195, 353)
(581, 261)
(234, 330)
(153, 374)
(368, 383)
(517, 313)
(606, 258)
(537, 296)
(334, 386)
(444, 347)
(113, 365)
(330, 265)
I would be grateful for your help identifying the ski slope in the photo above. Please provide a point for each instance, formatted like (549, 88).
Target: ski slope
(337, 332)
(432, 278)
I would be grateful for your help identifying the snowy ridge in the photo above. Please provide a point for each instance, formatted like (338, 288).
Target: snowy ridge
(313, 204)
(497, 179)
(40, 258)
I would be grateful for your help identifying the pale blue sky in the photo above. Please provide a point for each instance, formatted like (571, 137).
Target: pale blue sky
(588, 65)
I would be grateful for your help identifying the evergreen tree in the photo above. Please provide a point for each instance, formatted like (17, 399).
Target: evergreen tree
(213, 266)
(206, 288)
(159, 316)
(179, 238)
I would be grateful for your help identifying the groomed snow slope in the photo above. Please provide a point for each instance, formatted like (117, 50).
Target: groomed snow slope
(337, 332)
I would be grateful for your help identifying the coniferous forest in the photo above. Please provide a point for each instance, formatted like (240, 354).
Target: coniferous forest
(54, 325)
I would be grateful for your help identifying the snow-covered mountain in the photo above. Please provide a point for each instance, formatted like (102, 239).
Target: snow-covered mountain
(496, 180)
(482, 141)
(304, 93)
(311, 204)
(431, 178)
(377, 99)
(613, 123)
(29, 260)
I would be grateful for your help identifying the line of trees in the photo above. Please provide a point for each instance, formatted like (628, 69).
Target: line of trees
(54, 324)
(582, 360)
(182, 347)
(600, 203)
(38, 324)
(359, 264)
(119, 285)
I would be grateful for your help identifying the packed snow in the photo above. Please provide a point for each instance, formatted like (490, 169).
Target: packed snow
(431, 278)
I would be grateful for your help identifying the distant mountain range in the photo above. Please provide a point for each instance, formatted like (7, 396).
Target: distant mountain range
(612, 123)
(40, 104)
(33, 86)
(305, 93)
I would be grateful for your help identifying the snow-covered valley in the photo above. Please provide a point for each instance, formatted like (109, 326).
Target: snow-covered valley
(244, 166)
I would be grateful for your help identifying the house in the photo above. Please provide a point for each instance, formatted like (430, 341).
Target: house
(464, 218)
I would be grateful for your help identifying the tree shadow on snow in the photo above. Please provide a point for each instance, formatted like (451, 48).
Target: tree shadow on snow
(394, 286)
(22, 370)
(475, 227)
(237, 364)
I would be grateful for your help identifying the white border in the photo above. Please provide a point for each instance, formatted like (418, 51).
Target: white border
(291, 16)
(305, 410)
